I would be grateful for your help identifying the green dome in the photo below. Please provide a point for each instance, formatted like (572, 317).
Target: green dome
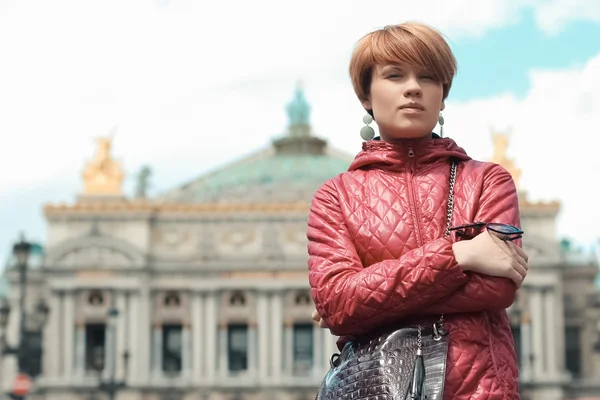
(279, 170)
(288, 171)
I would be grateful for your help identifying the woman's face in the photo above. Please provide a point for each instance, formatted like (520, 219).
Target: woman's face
(406, 102)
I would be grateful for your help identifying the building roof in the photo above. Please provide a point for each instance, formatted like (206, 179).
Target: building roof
(291, 169)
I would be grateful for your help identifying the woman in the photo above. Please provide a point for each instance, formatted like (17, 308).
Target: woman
(378, 253)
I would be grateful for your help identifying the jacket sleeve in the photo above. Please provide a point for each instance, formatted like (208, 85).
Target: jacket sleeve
(498, 203)
(354, 300)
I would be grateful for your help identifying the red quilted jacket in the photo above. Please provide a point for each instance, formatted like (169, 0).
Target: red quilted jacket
(378, 256)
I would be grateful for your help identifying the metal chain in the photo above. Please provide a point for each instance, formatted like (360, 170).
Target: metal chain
(450, 198)
(419, 337)
(450, 209)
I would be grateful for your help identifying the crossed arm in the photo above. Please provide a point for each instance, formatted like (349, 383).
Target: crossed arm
(353, 300)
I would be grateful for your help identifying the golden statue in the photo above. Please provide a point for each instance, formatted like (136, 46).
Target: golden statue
(103, 176)
(500, 157)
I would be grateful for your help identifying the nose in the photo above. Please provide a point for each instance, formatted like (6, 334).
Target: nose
(412, 87)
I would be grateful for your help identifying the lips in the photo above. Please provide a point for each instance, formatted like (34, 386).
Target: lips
(414, 106)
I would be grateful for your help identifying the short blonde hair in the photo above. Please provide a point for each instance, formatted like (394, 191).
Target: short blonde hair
(412, 43)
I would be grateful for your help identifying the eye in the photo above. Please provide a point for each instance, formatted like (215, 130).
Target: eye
(427, 77)
(393, 76)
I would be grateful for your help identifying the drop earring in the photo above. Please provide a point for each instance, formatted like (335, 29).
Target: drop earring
(367, 133)
(441, 122)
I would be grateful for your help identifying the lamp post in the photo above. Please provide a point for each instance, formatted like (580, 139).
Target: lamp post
(23, 350)
(112, 385)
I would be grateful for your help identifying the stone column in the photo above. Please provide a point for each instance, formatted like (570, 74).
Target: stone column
(197, 324)
(550, 327)
(526, 349)
(263, 336)
(537, 326)
(121, 334)
(145, 335)
(252, 353)
(276, 336)
(329, 346)
(68, 344)
(133, 345)
(559, 323)
(80, 349)
(223, 361)
(317, 367)
(289, 348)
(110, 347)
(52, 357)
(210, 335)
(186, 351)
(157, 351)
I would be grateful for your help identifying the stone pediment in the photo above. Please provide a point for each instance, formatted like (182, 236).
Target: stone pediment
(95, 252)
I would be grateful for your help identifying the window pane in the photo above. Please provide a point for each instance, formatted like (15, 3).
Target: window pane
(95, 335)
(237, 347)
(303, 347)
(573, 350)
(516, 332)
(172, 348)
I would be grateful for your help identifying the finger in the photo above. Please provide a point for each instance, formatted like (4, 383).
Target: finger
(315, 316)
(517, 278)
(517, 256)
(520, 269)
(519, 251)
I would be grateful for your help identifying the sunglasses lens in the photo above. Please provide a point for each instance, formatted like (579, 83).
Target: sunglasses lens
(504, 229)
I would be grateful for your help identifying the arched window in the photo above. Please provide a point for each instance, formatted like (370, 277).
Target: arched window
(302, 298)
(172, 299)
(237, 299)
(96, 298)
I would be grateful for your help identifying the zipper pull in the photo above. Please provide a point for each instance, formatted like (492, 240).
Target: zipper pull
(411, 153)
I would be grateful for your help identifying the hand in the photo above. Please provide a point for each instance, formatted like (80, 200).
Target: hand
(316, 317)
(489, 255)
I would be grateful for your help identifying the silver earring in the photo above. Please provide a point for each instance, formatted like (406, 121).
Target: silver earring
(367, 133)
(441, 122)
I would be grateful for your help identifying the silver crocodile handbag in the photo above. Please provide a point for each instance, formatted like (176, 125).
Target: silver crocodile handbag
(405, 364)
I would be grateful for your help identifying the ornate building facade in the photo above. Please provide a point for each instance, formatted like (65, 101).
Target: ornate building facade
(202, 292)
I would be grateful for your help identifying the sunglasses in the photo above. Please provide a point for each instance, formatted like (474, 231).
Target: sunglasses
(506, 232)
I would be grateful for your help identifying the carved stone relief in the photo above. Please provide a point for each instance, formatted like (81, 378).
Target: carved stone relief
(171, 306)
(239, 240)
(294, 240)
(271, 249)
(96, 257)
(298, 305)
(207, 243)
(237, 306)
(92, 305)
(173, 239)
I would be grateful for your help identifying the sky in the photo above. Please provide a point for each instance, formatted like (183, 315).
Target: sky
(194, 85)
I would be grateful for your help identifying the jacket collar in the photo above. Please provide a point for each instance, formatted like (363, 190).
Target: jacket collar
(378, 154)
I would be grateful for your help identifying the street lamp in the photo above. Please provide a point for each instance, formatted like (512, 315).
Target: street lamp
(112, 385)
(26, 347)
(4, 313)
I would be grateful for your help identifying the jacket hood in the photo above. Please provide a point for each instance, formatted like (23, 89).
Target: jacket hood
(396, 156)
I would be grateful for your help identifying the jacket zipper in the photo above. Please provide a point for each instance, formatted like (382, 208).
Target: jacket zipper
(412, 193)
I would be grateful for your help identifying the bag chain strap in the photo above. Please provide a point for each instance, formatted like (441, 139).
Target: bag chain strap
(439, 325)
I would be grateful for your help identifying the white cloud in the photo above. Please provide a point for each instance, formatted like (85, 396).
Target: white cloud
(194, 84)
(555, 140)
(552, 16)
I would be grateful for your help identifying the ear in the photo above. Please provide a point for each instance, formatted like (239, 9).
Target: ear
(366, 104)
(443, 106)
